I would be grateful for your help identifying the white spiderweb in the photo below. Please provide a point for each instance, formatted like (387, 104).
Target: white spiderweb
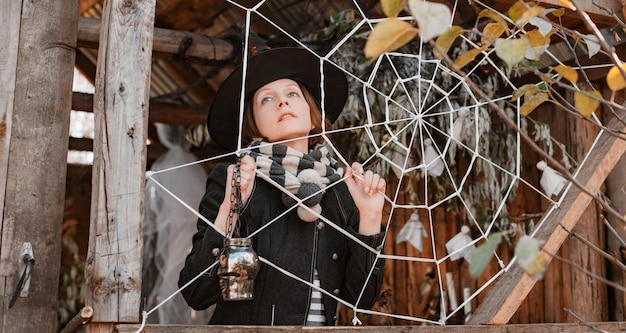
(453, 164)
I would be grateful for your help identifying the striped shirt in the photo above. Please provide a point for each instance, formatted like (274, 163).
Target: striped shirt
(316, 308)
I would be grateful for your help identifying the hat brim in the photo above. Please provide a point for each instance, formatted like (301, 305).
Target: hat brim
(289, 62)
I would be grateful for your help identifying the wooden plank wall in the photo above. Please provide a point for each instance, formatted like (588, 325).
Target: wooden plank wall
(9, 42)
(36, 87)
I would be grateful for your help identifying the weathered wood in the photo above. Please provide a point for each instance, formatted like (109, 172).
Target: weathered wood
(616, 237)
(169, 44)
(113, 269)
(80, 319)
(83, 144)
(167, 113)
(9, 41)
(535, 328)
(582, 286)
(512, 287)
(36, 95)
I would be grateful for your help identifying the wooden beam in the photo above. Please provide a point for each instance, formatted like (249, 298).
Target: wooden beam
(512, 287)
(160, 112)
(600, 11)
(84, 144)
(171, 44)
(113, 268)
(35, 106)
(518, 328)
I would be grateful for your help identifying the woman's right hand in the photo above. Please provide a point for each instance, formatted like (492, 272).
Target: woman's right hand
(247, 172)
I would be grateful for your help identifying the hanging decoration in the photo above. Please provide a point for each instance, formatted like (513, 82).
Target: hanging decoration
(458, 134)
(551, 181)
(432, 159)
(458, 246)
(413, 231)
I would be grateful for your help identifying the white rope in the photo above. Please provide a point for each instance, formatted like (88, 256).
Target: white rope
(413, 122)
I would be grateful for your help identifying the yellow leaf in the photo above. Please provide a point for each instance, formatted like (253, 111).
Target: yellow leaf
(529, 14)
(585, 104)
(517, 10)
(492, 31)
(432, 18)
(537, 39)
(567, 4)
(532, 101)
(445, 40)
(567, 72)
(492, 15)
(467, 57)
(512, 50)
(615, 79)
(391, 8)
(523, 90)
(558, 12)
(388, 35)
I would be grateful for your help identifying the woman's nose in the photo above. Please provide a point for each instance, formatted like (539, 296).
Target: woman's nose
(283, 102)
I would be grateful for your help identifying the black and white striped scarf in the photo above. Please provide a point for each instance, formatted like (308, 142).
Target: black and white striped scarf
(304, 175)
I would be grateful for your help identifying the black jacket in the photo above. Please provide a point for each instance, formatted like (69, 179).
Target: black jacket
(291, 244)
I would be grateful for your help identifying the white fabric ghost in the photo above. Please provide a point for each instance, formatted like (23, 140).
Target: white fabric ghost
(169, 227)
(400, 157)
(413, 231)
(458, 245)
(432, 159)
(551, 181)
(457, 132)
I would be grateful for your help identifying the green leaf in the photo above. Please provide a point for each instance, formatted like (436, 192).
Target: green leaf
(483, 253)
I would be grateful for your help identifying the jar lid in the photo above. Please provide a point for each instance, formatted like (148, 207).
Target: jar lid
(237, 242)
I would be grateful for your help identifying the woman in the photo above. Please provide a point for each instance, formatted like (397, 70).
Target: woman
(281, 119)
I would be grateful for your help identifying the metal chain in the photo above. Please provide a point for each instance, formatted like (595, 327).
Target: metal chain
(232, 227)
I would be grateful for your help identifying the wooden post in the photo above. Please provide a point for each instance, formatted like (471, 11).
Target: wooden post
(37, 48)
(113, 270)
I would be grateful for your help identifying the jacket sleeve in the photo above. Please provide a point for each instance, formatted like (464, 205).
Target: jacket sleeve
(203, 289)
(361, 260)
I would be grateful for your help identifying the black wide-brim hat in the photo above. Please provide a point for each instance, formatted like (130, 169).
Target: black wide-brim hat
(293, 63)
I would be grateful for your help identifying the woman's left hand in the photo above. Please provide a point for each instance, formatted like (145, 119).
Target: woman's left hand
(368, 192)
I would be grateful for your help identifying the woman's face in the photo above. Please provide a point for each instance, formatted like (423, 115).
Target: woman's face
(282, 113)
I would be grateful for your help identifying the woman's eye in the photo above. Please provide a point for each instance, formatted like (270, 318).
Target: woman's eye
(292, 94)
(265, 99)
